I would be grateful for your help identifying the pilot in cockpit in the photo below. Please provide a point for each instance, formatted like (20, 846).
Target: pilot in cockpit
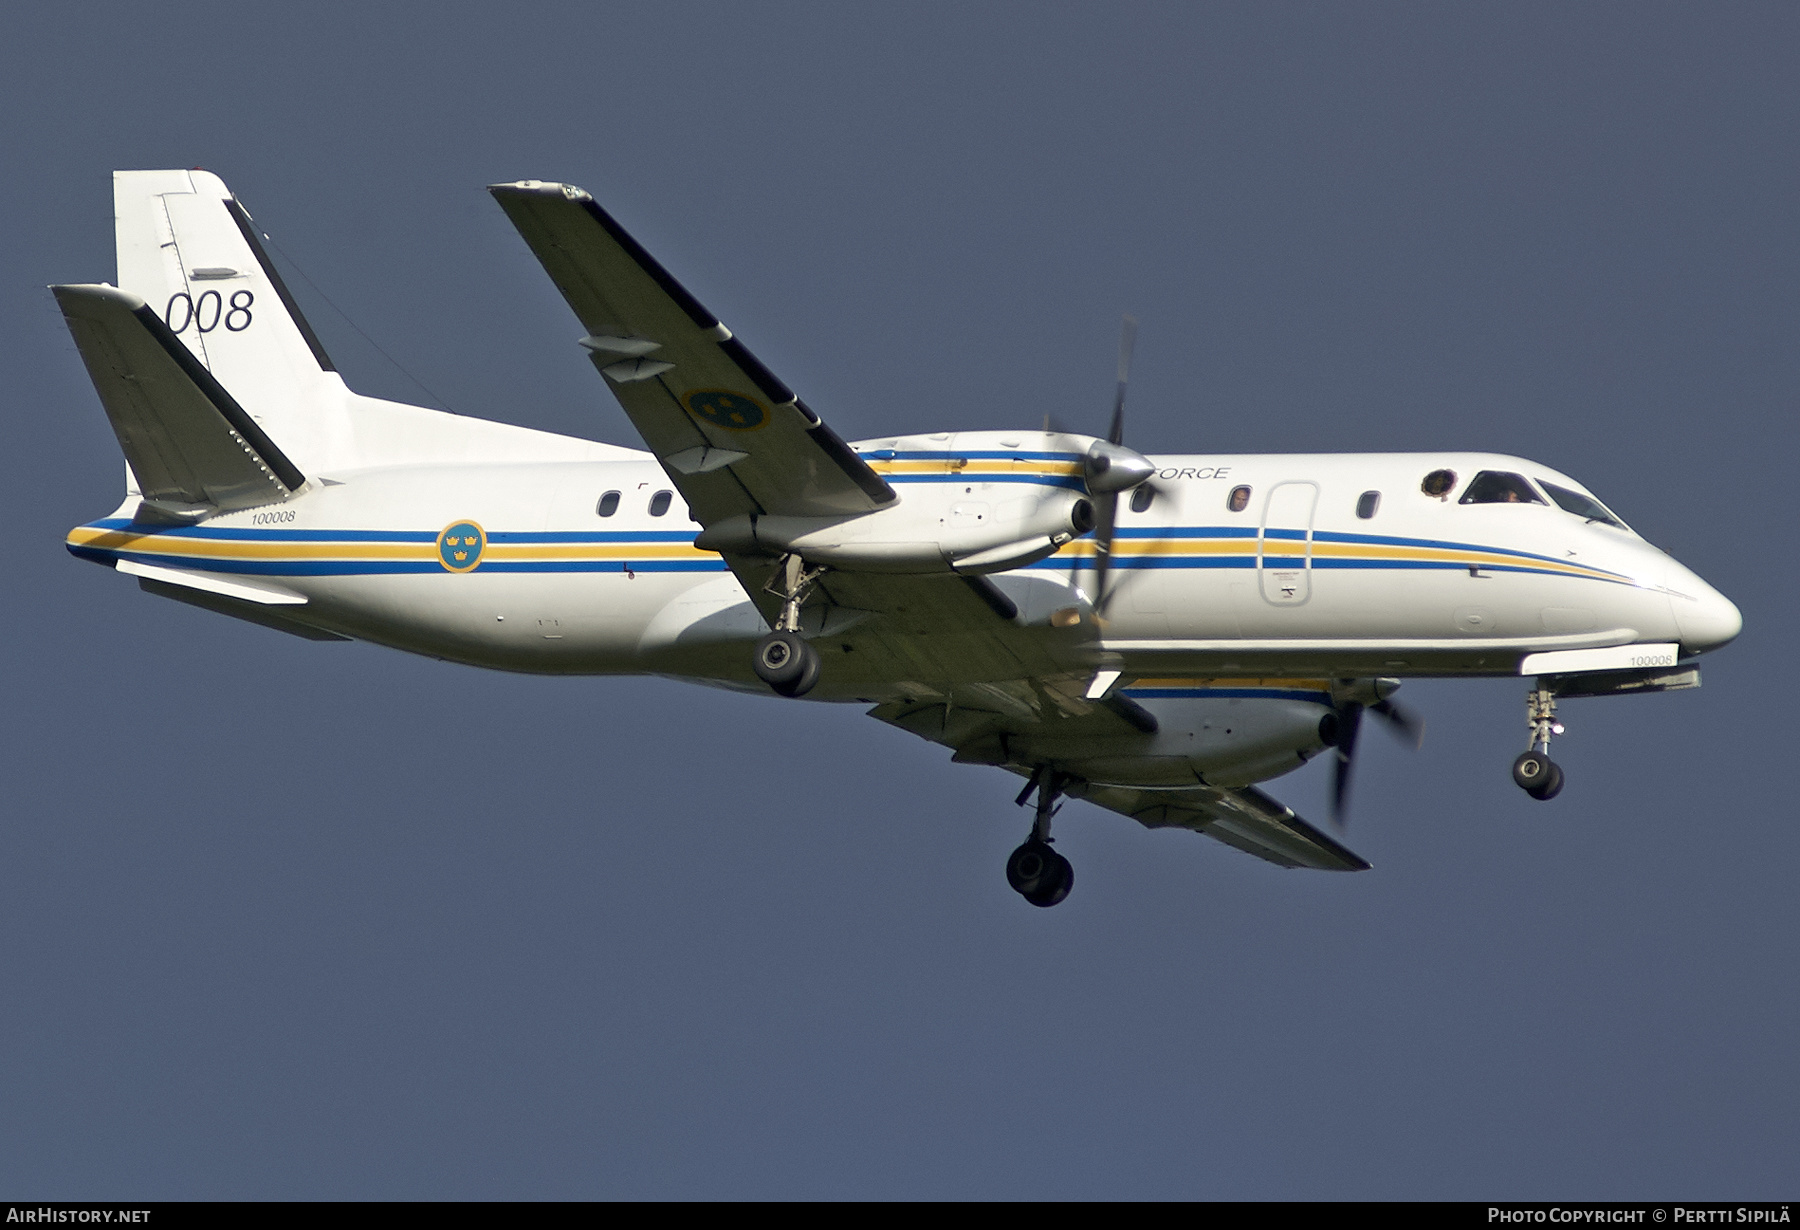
(1499, 487)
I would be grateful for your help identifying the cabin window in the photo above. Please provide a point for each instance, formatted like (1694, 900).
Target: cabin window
(659, 503)
(608, 505)
(1142, 497)
(1580, 505)
(1499, 487)
(1438, 483)
(1239, 499)
(1367, 503)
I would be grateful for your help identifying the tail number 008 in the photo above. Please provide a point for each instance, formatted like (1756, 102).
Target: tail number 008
(209, 311)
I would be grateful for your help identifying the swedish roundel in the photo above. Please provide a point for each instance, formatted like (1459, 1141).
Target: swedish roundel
(723, 408)
(460, 546)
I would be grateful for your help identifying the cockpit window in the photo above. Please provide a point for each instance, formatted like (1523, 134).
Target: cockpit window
(1498, 487)
(1438, 483)
(1580, 505)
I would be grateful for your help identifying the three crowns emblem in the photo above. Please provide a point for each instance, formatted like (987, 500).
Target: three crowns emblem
(460, 546)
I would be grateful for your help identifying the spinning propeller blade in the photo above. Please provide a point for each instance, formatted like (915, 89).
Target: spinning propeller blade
(1111, 468)
(1127, 341)
(1403, 723)
(1349, 726)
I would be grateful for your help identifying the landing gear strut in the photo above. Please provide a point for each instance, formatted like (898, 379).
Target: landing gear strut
(1036, 872)
(783, 659)
(1534, 771)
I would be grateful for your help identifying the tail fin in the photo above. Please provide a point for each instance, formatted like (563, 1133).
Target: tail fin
(188, 248)
(191, 262)
(193, 449)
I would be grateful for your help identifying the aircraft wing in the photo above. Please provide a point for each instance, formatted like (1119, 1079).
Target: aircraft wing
(1020, 724)
(734, 439)
(1244, 817)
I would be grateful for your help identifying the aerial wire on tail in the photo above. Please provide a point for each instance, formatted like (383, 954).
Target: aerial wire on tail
(398, 366)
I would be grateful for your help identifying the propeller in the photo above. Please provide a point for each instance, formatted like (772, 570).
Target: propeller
(1110, 469)
(1402, 723)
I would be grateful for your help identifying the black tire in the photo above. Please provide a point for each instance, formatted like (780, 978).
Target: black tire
(780, 659)
(809, 674)
(1039, 874)
(1058, 886)
(1551, 785)
(1531, 770)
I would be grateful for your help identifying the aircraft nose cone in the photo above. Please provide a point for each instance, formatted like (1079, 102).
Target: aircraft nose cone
(1707, 620)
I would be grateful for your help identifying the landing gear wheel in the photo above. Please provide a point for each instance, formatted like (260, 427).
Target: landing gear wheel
(809, 675)
(1551, 788)
(1537, 775)
(1039, 874)
(785, 662)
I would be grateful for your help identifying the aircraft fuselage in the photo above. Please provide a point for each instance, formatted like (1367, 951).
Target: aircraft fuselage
(1291, 578)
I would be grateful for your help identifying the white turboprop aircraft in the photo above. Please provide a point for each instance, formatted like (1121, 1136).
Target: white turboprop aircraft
(1151, 634)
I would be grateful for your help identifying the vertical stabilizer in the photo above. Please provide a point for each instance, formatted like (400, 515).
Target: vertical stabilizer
(192, 253)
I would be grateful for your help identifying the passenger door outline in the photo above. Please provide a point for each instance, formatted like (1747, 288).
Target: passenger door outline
(1284, 543)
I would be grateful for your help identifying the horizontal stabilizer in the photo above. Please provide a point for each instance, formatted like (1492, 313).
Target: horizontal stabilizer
(194, 450)
(231, 587)
(249, 612)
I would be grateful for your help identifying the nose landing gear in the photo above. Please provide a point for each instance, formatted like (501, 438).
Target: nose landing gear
(1035, 871)
(1536, 774)
(783, 659)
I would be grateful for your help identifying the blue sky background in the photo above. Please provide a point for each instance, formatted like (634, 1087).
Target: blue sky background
(283, 919)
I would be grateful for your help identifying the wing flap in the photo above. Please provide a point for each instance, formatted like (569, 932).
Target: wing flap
(695, 393)
(192, 447)
(1245, 818)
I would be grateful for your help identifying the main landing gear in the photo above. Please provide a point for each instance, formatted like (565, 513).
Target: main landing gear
(1534, 771)
(1036, 872)
(783, 659)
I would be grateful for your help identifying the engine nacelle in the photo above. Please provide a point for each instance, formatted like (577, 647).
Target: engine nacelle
(964, 507)
(1223, 732)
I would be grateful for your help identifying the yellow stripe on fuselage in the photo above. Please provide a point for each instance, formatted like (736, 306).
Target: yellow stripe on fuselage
(214, 548)
(595, 550)
(978, 468)
(1290, 549)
